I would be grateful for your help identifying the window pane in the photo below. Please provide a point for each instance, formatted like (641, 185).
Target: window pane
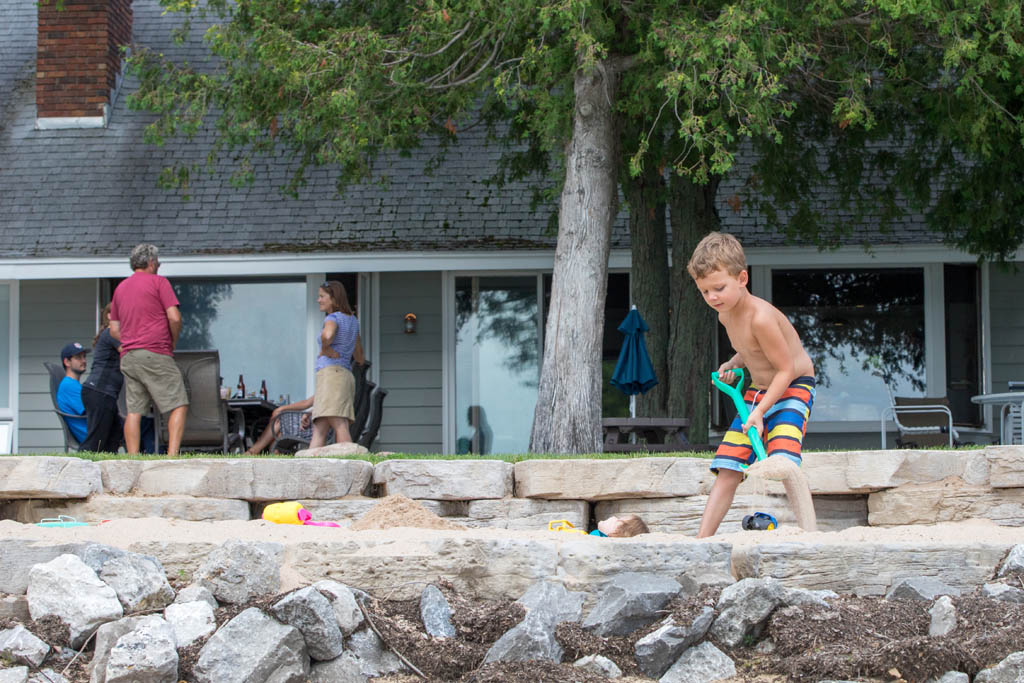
(5, 346)
(963, 341)
(259, 327)
(859, 326)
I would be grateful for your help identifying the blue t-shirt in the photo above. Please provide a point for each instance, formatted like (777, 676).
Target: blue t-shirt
(344, 341)
(69, 400)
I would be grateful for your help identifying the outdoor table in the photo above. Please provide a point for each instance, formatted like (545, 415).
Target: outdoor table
(1004, 399)
(256, 412)
(653, 433)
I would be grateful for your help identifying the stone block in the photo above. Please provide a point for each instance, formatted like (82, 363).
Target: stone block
(18, 555)
(949, 500)
(445, 479)
(847, 472)
(99, 507)
(349, 510)
(594, 480)
(260, 479)
(14, 608)
(1006, 466)
(253, 647)
(526, 514)
(40, 476)
(682, 515)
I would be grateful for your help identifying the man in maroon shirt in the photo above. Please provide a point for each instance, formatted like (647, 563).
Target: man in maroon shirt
(144, 317)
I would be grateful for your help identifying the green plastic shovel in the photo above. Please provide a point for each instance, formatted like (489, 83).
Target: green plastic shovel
(734, 393)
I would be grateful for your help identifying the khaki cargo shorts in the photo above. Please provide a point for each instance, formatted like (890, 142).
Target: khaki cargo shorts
(335, 393)
(152, 378)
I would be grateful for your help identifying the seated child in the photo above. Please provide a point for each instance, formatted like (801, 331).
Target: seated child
(621, 527)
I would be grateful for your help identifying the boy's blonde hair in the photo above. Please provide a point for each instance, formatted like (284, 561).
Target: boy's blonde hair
(632, 525)
(717, 250)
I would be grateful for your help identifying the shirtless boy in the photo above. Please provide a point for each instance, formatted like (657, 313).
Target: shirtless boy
(781, 371)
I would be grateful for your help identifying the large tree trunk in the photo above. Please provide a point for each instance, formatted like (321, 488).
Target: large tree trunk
(567, 418)
(693, 323)
(649, 277)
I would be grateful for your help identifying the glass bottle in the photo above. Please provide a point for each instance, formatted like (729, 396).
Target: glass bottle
(263, 390)
(241, 387)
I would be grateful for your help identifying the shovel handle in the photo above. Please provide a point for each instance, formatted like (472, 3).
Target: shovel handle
(733, 392)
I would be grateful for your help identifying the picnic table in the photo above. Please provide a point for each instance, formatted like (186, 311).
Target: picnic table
(655, 434)
(256, 412)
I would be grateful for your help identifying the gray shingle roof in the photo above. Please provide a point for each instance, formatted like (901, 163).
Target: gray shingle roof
(94, 192)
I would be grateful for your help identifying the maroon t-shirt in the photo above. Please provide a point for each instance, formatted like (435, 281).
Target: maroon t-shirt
(140, 304)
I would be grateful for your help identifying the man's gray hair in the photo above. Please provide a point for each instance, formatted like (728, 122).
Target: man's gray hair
(142, 255)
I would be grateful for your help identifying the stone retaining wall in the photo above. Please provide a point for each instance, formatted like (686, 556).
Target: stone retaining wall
(852, 488)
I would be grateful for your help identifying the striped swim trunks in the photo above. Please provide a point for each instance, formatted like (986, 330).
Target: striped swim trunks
(785, 424)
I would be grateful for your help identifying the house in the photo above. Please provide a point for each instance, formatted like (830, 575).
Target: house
(79, 188)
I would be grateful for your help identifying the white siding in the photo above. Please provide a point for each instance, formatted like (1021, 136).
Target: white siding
(410, 364)
(53, 313)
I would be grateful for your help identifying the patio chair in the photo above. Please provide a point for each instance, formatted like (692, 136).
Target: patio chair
(56, 373)
(1012, 417)
(369, 433)
(206, 424)
(920, 421)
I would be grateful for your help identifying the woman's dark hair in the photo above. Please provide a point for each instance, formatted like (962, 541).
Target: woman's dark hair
(339, 297)
(104, 324)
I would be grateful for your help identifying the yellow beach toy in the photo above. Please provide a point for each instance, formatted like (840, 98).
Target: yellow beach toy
(564, 525)
(290, 512)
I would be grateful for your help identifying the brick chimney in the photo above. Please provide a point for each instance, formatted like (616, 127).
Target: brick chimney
(78, 61)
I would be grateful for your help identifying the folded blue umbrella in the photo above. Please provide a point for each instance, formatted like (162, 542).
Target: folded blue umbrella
(634, 373)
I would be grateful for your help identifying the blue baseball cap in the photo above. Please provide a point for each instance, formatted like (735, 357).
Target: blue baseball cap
(72, 349)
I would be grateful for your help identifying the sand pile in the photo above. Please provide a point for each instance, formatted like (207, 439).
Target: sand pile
(395, 511)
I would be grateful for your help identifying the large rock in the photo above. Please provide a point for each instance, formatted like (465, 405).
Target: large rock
(943, 617)
(69, 590)
(1006, 466)
(597, 664)
(436, 613)
(196, 593)
(869, 568)
(846, 472)
(701, 664)
(98, 507)
(920, 588)
(445, 479)
(526, 514)
(547, 604)
(744, 607)
(14, 674)
(948, 500)
(630, 600)
(238, 571)
(682, 515)
(146, 654)
(1007, 671)
(1014, 562)
(375, 658)
(253, 647)
(334, 450)
(14, 608)
(343, 669)
(343, 603)
(310, 612)
(258, 479)
(190, 621)
(659, 649)
(106, 638)
(40, 476)
(349, 510)
(581, 479)
(19, 555)
(1003, 593)
(18, 644)
(139, 581)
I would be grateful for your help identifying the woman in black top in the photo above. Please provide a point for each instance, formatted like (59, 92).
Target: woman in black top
(100, 390)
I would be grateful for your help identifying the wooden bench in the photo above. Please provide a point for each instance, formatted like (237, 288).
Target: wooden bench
(654, 434)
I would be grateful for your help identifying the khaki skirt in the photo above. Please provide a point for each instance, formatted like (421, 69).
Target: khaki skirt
(335, 393)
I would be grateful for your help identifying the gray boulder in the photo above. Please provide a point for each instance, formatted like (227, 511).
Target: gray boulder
(1014, 562)
(692, 583)
(253, 647)
(630, 601)
(951, 677)
(436, 613)
(1010, 670)
(943, 617)
(547, 604)
(659, 649)
(310, 612)
(95, 555)
(922, 588)
(14, 607)
(343, 669)
(146, 654)
(801, 597)
(18, 644)
(1002, 592)
(15, 674)
(107, 636)
(602, 666)
(190, 621)
(194, 593)
(139, 581)
(343, 602)
(238, 571)
(375, 659)
(701, 664)
(744, 608)
(68, 589)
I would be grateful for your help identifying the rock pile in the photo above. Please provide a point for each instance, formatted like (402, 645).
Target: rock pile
(143, 632)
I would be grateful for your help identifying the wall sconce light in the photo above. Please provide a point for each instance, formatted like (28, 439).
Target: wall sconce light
(410, 323)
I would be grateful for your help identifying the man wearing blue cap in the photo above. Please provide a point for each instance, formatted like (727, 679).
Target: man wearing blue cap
(69, 391)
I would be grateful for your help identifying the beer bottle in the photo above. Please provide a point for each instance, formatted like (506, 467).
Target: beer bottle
(241, 387)
(263, 390)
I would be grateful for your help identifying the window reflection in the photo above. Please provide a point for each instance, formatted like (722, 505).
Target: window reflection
(862, 328)
(258, 326)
